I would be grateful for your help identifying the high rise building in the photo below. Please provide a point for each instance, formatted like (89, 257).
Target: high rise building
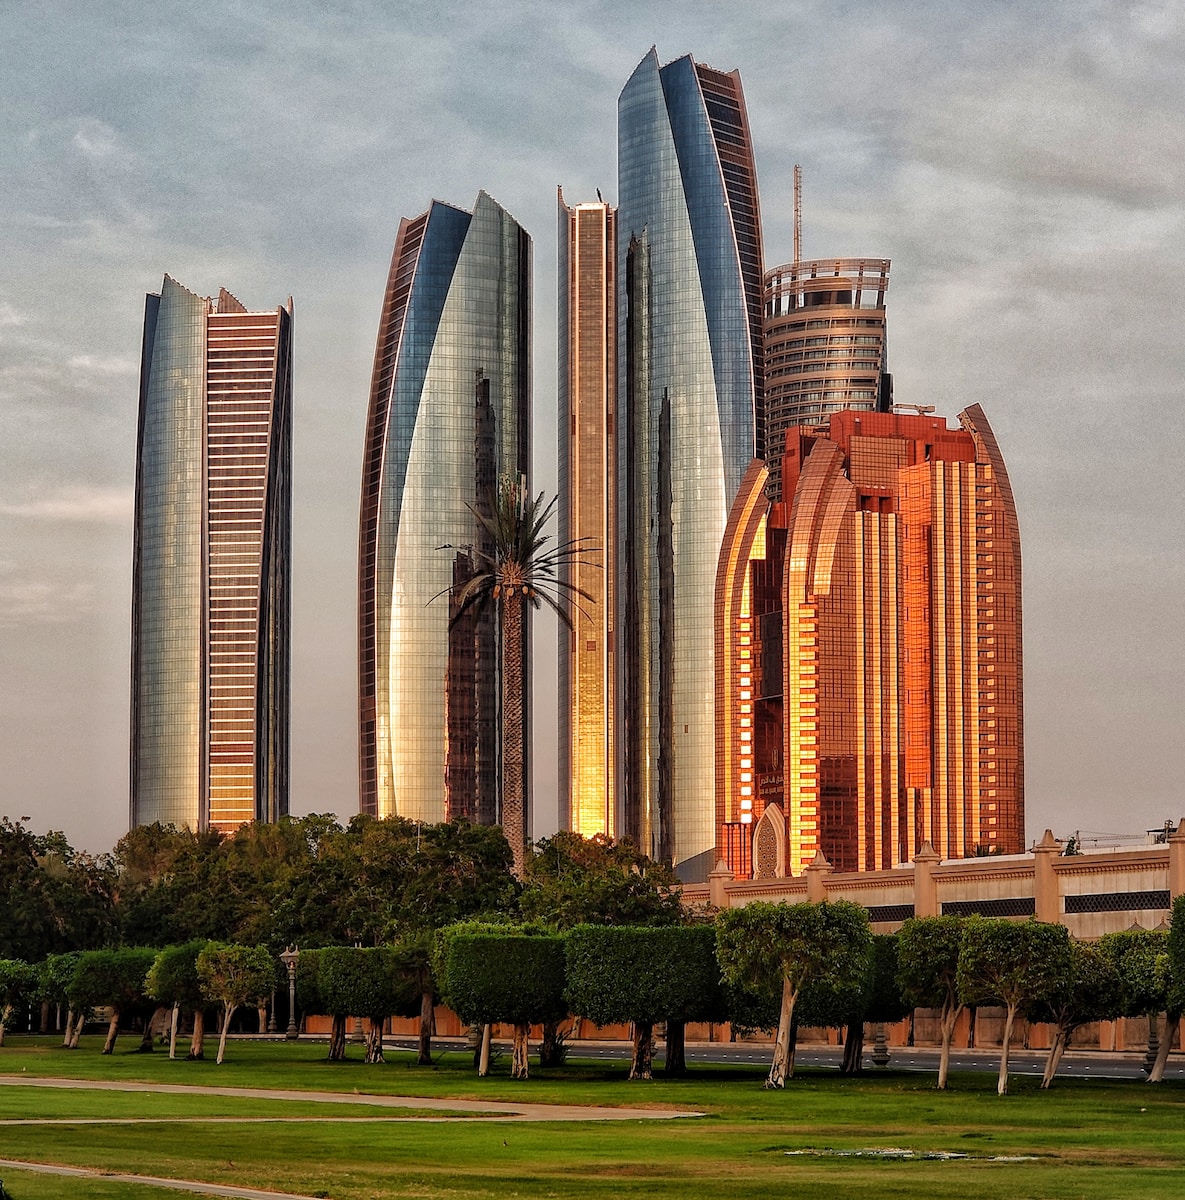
(210, 594)
(587, 398)
(689, 264)
(449, 417)
(886, 677)
(825, 346)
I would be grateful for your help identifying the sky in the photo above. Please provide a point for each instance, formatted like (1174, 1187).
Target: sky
(1022, 164)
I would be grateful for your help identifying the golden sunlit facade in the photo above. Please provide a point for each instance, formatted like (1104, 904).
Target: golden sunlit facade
(211, 564)
(900, 647)
(587, 512)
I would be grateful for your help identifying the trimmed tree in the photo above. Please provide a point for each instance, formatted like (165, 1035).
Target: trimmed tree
(927, 972)
(1015, 964)
(370, 983)
(173, 980)
(1140, 956)
(233, 976)
(55, 975)
(882, 1002)
(496, 973)
(18, 985)
(1088, 991)
(645, 976)
(783, 948)
(114, 978)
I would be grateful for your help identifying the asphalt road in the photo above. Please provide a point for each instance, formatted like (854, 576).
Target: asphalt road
(1082, 1064)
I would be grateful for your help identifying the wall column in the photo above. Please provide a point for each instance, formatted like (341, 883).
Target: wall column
(816, 874)
(1047, 899)
(718, 878)
(1177, 861)
(925, 889)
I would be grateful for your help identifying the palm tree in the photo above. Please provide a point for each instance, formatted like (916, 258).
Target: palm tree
(517, 567)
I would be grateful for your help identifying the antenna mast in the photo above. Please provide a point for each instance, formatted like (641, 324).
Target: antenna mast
(797, 213)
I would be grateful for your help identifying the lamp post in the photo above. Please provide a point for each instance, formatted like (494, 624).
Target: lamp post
(290, 958)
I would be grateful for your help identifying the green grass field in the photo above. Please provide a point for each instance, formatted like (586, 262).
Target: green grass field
(1082, 1140)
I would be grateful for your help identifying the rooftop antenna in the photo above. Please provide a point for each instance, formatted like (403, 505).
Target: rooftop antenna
(797, 213)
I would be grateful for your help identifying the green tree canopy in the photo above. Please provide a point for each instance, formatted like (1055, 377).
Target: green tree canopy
(369, 982)
(112, 978)
(233, 975)
(572, 880)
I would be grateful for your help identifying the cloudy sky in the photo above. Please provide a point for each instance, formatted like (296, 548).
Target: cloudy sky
(1022, 163)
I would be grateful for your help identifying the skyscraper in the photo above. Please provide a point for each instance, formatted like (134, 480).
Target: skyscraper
(449, 416)
(825, 346)
(690, 424)
(888, 689)
(210, 593)
(587, 512)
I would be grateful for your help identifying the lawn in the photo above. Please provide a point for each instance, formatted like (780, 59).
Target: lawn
(1082, 1140)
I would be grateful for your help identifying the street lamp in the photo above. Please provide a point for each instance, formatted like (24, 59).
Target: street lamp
(290, 958)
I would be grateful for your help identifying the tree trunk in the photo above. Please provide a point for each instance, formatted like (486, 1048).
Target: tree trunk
(514, 823)
(483, 1063)
(228, 1011)
(149, 1026)
(112, 1031)
(643, 1065)
(197, 1043)
(74, 1034)
(950, 1016)
(424, 1057)
(5, 1013)
(337, 1040)
(44, 1027)
(518, 1062)
(676, 1056)
(173, 1029)
(68, 1030)
(1061, 1039)
(1168, 1032)
(549, 1048)
(782, 1067)
(261, 1009)
(853, 1049)
(374, 1042)
(1002, 1085)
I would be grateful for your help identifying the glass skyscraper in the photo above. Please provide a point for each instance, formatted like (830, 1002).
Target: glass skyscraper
(210, 597)
(449, 416)
(689, 426)
(587, 397)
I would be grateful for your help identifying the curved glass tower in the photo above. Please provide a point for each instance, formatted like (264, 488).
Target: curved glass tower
(210, 595)
(690, 400)
(449, 415)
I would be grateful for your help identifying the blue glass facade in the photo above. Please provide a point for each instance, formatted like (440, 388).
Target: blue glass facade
(449, 414)
(689, 371)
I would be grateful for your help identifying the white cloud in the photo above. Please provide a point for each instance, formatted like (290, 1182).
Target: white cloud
(75, 504)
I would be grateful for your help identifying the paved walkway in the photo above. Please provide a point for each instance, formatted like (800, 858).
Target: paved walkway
(450, 1110)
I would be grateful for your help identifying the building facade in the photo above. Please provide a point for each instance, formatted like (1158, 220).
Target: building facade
(587, 401)
(887, 689)
(449, 417)
(825, 346)
(689, 263)
(210, 596)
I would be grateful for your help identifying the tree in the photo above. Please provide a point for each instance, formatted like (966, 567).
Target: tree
(492, 973)
(232, 976)
(881, 1000)
(571, 880)
(784, 947)
(643, 975)
(112, 978)
(1088, 991)
(927, 970)
(173, 980)
(1140, 957)
(18, 984)
(1016, 964)
(520, 569)
(370, 983)
(55, 975)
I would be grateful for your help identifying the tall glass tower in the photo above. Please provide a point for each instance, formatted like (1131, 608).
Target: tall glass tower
(449, 416)
(691, 423)
(210, 593)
